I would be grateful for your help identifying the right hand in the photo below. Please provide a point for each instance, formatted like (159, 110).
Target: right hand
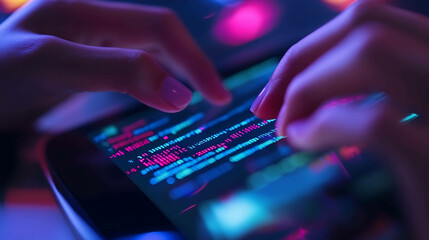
(369, 48)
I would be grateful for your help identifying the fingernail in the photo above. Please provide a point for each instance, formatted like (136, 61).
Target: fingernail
(176, 93)
(281, 122)
(255, 106)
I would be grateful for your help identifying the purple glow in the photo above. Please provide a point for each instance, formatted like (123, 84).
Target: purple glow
(339, 5)
(245, 22)
(297, 235)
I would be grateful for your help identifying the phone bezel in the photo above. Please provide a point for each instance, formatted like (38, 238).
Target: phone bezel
(61, 156)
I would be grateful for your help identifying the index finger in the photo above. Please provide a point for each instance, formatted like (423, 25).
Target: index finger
(312, 47)
(156, 30)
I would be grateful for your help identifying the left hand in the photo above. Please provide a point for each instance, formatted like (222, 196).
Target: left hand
(53, 48)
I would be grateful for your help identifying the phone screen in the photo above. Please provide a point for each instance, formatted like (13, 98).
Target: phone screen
(221, 172)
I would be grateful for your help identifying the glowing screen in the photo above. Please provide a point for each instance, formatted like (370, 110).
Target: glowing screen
(203, 167)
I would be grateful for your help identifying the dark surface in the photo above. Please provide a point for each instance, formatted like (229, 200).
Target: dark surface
(9, 159)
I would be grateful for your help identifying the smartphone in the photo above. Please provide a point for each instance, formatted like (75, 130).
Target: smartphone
(211, 172)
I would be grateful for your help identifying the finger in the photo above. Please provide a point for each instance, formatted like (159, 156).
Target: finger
(75, 67)
(340, 125)
(404, 146)
(158, 31)
(379, 125)
(305, 52)
(367, 61)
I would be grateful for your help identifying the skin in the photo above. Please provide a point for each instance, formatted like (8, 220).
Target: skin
(54, 48)
(51, 49)
(369, 48)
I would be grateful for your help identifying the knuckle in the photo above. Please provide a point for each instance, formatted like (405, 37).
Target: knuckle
(292, 58)
(168, 16)
(362, 11)
(297, 92)
(34, 52)
(47, 42)
(140, 64)
(140, 59)
(291, 52)
(39, 47)
(373, 38)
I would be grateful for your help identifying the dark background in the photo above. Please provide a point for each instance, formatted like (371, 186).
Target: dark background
(297, 18)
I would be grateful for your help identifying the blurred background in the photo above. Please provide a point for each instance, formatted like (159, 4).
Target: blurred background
(233, 33)
(228, 29)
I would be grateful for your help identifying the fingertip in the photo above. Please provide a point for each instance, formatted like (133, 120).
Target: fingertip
(225, 98)
(270, 101)
(261, 111)
(280, 132)
(296, 133)
(219, 97)
(176, 94)
(281, 123)
(255, 106)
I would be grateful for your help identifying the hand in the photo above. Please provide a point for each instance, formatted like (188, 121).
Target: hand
(51, 49)
(370, 48)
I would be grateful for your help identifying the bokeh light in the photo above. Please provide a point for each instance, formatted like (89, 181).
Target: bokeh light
(244, 22)
(9, 6)
(339, 5)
